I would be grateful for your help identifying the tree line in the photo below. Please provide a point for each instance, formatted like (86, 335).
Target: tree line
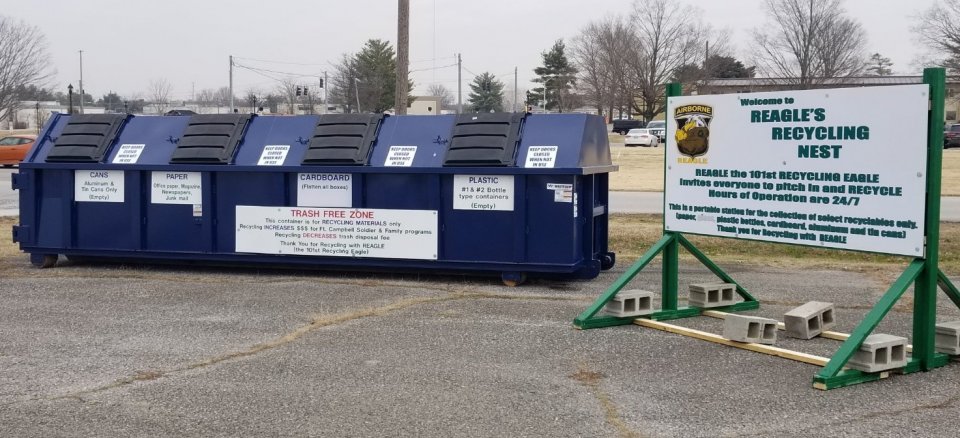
(617, 64)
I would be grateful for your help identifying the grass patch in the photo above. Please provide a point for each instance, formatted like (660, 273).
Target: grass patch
(641, 169)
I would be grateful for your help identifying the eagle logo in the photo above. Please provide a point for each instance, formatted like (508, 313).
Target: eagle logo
(693, 129)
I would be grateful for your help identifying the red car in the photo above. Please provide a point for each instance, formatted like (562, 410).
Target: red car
(14, 148)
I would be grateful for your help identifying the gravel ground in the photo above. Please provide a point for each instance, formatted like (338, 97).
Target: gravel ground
(159, 351)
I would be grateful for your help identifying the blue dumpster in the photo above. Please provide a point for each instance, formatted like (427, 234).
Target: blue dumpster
(509, 194)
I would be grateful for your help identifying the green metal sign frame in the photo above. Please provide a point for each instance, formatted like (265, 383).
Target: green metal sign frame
(923, 273)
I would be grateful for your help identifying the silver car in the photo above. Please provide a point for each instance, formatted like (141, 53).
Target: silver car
(640, 137)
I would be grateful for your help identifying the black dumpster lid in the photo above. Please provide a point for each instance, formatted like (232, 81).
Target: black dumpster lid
(86, 138)
(343, 139)
(211, 138)
(484, 139)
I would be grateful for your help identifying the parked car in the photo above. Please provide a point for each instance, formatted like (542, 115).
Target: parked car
(658, 128)
(951, 136)
(625, 125)
(14, 148)
(640, 137)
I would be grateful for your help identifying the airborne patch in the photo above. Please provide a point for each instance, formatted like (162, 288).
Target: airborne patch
(693, 129)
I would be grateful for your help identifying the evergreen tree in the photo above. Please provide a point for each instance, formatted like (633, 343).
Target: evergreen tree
(486, 94)
(557, 76)
(879, 65)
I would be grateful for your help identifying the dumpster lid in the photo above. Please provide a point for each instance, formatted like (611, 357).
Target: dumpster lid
(484, 139)
(86, 138)
(211, 138)
(343, 139)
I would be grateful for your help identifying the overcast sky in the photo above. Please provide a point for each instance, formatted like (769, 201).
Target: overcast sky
(127, 43)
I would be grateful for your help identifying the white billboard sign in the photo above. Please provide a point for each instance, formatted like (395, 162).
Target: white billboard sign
(838, 168)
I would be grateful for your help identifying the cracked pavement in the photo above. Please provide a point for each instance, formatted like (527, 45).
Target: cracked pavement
(158, 351)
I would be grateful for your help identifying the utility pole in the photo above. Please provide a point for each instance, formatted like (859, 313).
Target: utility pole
(38, 117)
(81, 82)
(231, 84)
(514, 89)
(356, 82)
(325, 85)
(459, 85)
(403, 56)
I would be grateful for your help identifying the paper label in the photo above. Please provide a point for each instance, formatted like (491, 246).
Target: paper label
(273, 155)
(176, 188)
(400, 156)
(128, 153)
(541, 156)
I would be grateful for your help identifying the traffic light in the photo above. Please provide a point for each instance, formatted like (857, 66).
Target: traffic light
(298, 90)
(321, 83)
(305, 92)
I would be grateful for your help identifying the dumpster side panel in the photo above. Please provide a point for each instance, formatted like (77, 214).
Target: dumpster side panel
(230, 189)
(54, 191)
(108, 225)
(550, 220)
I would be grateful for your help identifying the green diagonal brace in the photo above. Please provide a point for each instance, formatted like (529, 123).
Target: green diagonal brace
(632, 271)
(713, 267)
(869, 322)
(948, 288)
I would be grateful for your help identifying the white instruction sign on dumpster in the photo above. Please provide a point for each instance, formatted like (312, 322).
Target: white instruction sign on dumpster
(128, 153)
(98, 185)
(325, 190)
(176, 188)
(483, 192)
(273, 155)
(400, 156)
(337, 232)
(541, 156)
(561, 192)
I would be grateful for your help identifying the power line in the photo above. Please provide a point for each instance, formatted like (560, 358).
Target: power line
(433, 68)
(283, 62)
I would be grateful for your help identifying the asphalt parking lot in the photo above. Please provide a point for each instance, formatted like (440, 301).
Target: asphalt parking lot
(155, 351)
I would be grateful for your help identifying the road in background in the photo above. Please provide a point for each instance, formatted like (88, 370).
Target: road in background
(620, 202)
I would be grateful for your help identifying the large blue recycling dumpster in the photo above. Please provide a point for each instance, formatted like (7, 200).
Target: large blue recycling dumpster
(509, 194)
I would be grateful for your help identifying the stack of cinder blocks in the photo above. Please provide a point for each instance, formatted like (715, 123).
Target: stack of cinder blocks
(706, 295)
(745, 328)
(631, 303)
(809, 320)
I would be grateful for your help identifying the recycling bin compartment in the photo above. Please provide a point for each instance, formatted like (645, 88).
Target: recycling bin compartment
(510, 194)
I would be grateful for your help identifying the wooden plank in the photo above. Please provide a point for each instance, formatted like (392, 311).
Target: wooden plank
(759, 348)
(836, 336)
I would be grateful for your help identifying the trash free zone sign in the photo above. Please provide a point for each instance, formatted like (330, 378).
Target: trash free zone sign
(380, 233)
(839, 168)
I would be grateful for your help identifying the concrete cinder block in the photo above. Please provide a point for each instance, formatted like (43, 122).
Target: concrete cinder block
(745, 328)
(706, 295)
(631, 303)
(880, 352)
(809, 320)
(948, 337)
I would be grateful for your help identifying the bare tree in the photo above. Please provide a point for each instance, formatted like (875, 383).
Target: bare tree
(807, 41)
(595, 77)
(207, 97)
(24, 61)
(445, 95)
(287, 89)
(879, 65)
(668, 35)
(509, 103)
(938, 28)
(160, 94)
(222, 96)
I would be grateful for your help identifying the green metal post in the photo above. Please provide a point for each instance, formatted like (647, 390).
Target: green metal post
(869, 322)
(925, 289)
(948, 288)
(709, 264)
(583, 321)
(671, 252)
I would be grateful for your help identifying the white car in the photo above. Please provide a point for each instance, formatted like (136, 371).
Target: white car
(641, 137)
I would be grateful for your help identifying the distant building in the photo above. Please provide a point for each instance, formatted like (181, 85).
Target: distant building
(424, 105)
